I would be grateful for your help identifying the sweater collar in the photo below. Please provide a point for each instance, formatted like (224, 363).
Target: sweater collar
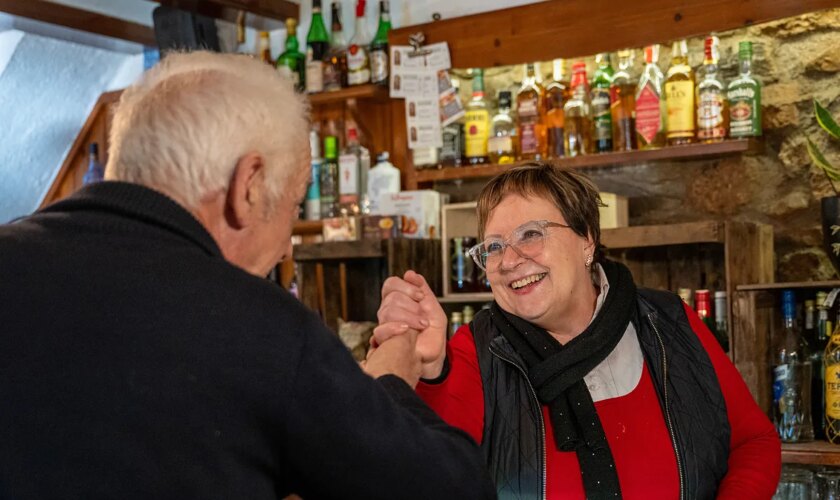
(142, 204)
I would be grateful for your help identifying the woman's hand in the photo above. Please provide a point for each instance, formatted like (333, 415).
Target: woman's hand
(409, 304)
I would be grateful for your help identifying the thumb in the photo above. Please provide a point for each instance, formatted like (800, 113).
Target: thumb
(419, 281)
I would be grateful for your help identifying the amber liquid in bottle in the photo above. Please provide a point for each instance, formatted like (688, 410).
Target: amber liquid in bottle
(530, 110)
(623, 104)
(556, 95)
(578, 117)
(679, 97)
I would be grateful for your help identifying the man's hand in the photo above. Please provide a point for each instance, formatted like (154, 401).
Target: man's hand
(409, 304)
(397, 357)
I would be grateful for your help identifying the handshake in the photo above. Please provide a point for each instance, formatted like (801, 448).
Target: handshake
(410, 341)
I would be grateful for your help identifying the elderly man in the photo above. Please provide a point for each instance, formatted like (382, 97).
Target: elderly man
(142, 354)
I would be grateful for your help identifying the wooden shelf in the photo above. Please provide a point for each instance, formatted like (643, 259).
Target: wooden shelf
(665, 234)
(307, 227)
(369, 91)
(794, 284)
(815, 453)
(463, 298)
(361, 249)
(690, 151)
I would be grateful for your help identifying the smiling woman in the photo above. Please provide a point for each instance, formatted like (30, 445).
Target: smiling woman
(563, 380)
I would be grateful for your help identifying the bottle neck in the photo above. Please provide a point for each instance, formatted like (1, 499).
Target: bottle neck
(788, 322)
(384, 24)
(746, 66)
(292, 42)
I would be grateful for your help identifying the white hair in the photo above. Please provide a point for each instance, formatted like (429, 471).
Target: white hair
(182, 128)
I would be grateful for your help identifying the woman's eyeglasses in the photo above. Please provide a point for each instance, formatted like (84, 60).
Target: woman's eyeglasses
(527, 240)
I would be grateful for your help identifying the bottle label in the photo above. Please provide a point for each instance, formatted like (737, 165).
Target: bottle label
(710, 120)
(314, 76)
(477, 125)
(679, 98)
(780, 378)
(832, 391)
(379, 65)
(332, 75)
(313, 192)
(744, 120)
(601, 114)
(453, 137)
(348, 175)
(358, 66)
(648, 114)
(502, 146)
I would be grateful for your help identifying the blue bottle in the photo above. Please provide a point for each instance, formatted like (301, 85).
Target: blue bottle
(791, 378)
(95, 171)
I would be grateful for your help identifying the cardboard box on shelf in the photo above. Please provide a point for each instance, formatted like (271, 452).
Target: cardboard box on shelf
(341, 229)
(419, 212)
(615, 213)
(381, 227)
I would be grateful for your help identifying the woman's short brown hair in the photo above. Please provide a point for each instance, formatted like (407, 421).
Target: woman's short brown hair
(574, 194)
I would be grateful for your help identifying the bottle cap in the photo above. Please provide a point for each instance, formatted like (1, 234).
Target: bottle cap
(745, 49)
(330, 147)
(505, 99)
(360, 8)
(291, 25)
(579, 67)
(94, 148)
(720, 295)
(383, 156)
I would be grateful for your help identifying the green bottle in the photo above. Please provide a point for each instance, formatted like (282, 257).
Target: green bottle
(317, 46)
(292, 62)
(379, 46)
(744, 94)
(600, 102)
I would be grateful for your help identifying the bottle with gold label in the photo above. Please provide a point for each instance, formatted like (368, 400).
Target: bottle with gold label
(831, 362)
(679, 96)
(712, 106)
(477, 122)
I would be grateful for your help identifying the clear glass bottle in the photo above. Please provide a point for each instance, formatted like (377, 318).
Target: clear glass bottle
(744, 95)
(329, 178)
(292, 63)
(384, 178)
(679, 97)
(353, 168)
(530, 113)
(501, 146)
(791, 378)
(477, 122)
(578, 118)
(600, 101)
(379, 68)
(721, 323)
(317, 46)
(95, 172)
(335, 69)
(358, 60)
(623, 104)
(650, 104)
(712, 106)
(557, 93)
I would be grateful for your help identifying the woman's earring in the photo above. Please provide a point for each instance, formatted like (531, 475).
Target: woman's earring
(588, 260)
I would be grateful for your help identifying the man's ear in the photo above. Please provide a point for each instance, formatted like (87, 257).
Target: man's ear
(246, 191)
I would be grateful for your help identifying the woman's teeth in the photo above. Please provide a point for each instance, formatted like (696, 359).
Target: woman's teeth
(527, 280)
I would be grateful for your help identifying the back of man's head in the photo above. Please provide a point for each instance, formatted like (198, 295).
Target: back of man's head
(182, 128)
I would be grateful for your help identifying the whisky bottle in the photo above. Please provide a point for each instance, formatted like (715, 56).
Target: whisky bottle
(530, 110)
(712, 107)
(578, 118)
(501, 146)
(831, 362)
(744, 95)
(335, 67)
(477, 122)
(601, 117)
(557, 93)
(650, 106)
(679, 96)
(317, 45)
(623, 104)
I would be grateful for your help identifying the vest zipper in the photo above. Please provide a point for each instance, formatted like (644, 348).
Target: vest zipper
(667, 406)
(539, 412)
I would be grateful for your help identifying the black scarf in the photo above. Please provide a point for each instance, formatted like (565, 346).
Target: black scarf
(556, 372)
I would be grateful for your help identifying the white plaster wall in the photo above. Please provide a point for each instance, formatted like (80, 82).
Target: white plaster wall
(130, 10)
(8, 43)
(46, 92)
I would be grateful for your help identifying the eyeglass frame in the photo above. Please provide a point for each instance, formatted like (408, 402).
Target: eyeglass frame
(473, 252)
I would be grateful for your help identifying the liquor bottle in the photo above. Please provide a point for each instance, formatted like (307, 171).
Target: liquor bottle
(530, 111)
(292, 62)
(265, 48)
(379, 69)
(721, 328)
(601, 119)
(650, 112)
(353, 169)
(358, 62)
(818, 341)
(679, 96)
(455, 322)
(744, 95)
(95, 172)
(477, 122)
(501, 146)
(453, 138)
(462, 270)
(329, 178)
(578, 120)
(831, 362)
(312, 203)
(623, 104)
(557, 93)
(703, 306)
(792, 379)
(335, 68)
(686, 296)
(712, 106)
(317, 46)
(384, 178)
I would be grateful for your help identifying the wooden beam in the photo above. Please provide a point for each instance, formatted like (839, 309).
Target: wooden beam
(574, 28)
(227, 9)
(79, 19)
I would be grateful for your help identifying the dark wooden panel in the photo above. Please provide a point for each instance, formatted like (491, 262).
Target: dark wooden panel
(666, 234)
(572, 28)
(793, 284)
(422, 256)
(815, 453)
(752, 313)
(79, 19)
(229, 11)
(339, 250)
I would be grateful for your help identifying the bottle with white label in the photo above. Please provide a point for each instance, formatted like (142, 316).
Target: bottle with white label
(384, 178)
(353, 166)
(358, 60)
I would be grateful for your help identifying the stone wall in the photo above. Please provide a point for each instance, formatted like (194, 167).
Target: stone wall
(797, 60)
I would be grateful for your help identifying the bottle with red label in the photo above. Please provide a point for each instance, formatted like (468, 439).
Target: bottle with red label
(712, 106)
(578, 115)
(650, 107)
(530, 110)
(358, 60)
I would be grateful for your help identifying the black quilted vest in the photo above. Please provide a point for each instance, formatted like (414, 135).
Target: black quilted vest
(685, 381)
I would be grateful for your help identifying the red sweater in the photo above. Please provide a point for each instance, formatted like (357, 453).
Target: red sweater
(634, 426)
